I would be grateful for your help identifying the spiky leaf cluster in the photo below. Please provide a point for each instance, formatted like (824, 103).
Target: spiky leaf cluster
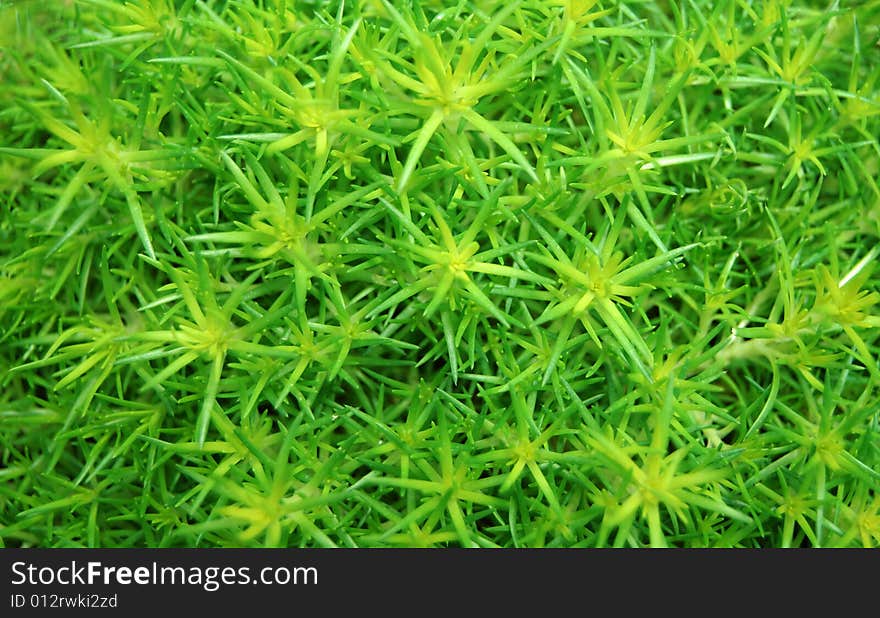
(518, 274)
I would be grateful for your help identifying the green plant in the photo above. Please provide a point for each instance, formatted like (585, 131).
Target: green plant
(483, 274)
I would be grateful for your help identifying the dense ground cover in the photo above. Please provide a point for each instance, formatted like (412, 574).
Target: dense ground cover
(529, 273)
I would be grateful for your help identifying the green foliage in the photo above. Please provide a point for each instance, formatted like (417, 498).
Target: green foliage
(486, 274)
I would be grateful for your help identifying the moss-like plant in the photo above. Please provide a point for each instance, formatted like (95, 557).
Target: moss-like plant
(485, 274)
